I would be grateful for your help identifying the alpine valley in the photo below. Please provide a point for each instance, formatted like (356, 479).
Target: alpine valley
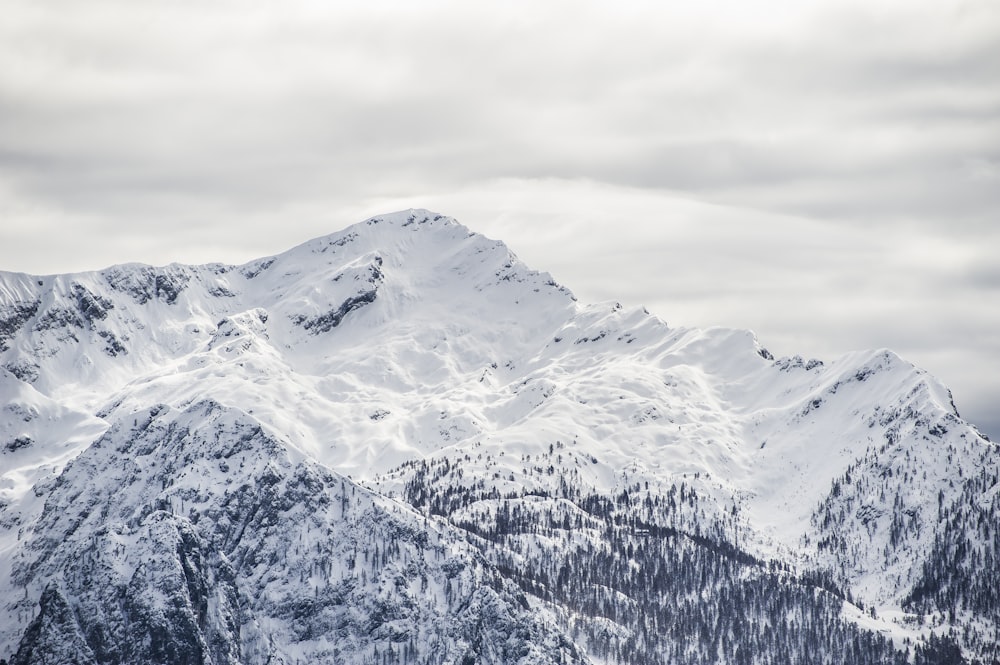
(399, 444)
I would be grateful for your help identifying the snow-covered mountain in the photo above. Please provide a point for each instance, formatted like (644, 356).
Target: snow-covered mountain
(398, 444)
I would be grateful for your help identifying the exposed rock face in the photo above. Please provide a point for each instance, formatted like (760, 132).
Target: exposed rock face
(202, 530)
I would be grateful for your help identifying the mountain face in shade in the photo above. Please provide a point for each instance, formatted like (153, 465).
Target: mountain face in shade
(399, 444)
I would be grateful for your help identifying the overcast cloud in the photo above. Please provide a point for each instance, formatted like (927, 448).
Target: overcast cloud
(827, 174)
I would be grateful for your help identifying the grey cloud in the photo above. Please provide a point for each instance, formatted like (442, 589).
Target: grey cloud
(323, 107)
(984, 274)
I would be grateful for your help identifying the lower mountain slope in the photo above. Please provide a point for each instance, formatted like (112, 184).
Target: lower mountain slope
(192, 537)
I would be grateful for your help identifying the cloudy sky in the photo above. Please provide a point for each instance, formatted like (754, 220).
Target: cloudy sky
(824, 172)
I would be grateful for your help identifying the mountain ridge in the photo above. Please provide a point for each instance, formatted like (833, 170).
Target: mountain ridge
(427, 365)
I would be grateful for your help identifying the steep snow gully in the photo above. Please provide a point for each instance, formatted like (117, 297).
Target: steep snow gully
(398, 444)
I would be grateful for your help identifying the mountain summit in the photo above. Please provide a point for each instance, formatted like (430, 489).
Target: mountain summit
(399, 444)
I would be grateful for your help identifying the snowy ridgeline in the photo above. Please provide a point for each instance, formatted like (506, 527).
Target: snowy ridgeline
(398, 444)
